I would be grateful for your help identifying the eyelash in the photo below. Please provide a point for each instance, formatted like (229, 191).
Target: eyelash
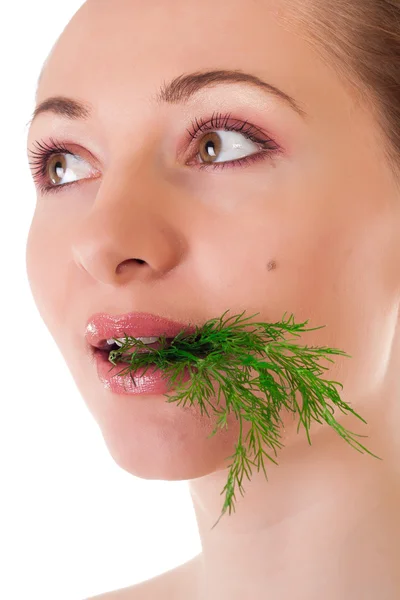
(268, 149)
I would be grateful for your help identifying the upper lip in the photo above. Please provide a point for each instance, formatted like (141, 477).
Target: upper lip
(102, 326)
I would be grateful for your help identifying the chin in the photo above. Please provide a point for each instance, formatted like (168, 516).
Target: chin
(172, 449)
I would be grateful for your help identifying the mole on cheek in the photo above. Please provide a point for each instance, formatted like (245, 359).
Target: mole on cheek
(271, 265)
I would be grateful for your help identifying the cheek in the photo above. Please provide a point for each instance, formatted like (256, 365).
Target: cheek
(47, 270)
(38, 251)
(338, 279)
(331, 272)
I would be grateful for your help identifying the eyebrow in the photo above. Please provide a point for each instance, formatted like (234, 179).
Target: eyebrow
(178, 91)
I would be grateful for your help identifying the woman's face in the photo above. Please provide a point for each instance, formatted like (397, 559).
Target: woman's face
(311, 227)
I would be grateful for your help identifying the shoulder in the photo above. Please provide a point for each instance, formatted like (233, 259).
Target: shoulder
(175, 584)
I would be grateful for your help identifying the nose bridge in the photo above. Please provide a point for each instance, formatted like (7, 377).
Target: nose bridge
(130, 180)
(132, 226)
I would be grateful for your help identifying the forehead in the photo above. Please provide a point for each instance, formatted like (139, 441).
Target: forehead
(136, 45)
(117, 53)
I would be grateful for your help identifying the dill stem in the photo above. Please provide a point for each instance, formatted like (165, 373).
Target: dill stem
(225, 353)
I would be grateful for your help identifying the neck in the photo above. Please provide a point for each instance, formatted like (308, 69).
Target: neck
(326, 524)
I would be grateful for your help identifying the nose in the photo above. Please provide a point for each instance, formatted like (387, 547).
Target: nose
(132, 230)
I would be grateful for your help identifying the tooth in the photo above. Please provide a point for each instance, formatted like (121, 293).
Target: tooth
(111, 342)
(121, 341)
(148, 340)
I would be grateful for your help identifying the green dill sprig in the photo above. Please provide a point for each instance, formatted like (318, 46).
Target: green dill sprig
(226, 353)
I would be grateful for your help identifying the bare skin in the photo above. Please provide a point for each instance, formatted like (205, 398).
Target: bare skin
(179, 583)
(314, 231)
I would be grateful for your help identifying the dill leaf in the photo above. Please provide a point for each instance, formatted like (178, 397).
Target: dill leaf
(224, 352)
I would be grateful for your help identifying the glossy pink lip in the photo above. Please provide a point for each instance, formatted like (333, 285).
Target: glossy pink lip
(143, 381)
(102, 326)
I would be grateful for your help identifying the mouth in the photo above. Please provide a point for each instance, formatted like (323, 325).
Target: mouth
(136, 346)
(104, 332)
(111, 344)
(144, 375)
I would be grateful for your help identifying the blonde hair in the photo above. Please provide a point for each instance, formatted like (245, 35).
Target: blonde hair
(360, 39)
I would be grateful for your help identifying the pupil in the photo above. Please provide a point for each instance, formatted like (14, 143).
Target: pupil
(58, 166)
(210, 146)
(57, 170)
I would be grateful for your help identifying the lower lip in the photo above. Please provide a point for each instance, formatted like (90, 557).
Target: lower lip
(150, 383)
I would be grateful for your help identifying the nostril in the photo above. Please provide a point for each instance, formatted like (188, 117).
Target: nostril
(128, 260)
(125, 263)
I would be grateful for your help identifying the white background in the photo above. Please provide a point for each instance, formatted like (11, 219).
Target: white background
(72, 522)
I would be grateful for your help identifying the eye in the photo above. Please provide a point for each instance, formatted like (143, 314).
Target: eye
(229, 142)
(65, 168)
(224, 146)
(54, 167)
